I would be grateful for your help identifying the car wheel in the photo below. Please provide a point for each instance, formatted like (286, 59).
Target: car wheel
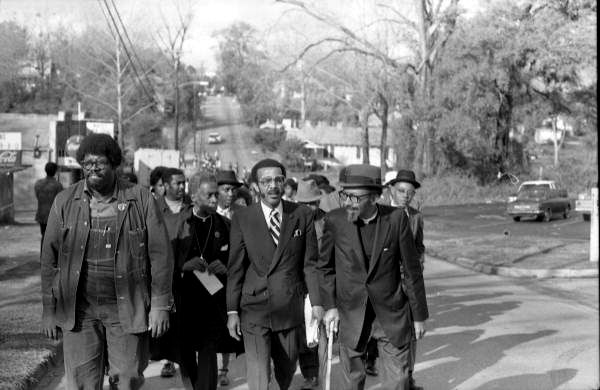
(516, 219)
(547, 215)
(586, 217)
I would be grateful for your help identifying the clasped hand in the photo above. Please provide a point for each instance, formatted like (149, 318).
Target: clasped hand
(199, 264)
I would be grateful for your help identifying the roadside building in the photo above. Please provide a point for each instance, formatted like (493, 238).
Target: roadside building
(10, 162)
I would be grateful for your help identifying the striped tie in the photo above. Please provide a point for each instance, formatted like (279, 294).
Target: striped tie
(274, 226)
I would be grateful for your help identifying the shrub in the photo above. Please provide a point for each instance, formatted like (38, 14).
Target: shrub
(269, 139)
(291, 153)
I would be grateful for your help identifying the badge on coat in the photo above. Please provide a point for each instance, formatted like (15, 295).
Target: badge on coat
(122, 206)
(217, 234)
(297, 233)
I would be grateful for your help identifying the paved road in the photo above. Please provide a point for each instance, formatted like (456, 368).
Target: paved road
(492, 218)
(223, 115)
(485, 332)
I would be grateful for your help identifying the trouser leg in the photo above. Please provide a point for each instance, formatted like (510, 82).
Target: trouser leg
(84, 356)
(257, 345)
(353, 368)
(207, 369)
(413, 356)
(394, 365)
(188, 367)
(308, 358)
(128, 356)
(371, 351)
(284, 349)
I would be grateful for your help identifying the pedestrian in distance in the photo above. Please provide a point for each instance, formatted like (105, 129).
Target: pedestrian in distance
(309, 195)
(157, 186)
(46, 190)
(403, 189)
(201, 245)
(273, 250)
(228, 185)
(290, 187)
(106, 270)
(359, 267)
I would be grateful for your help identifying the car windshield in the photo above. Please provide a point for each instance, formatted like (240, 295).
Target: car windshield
(533, 191)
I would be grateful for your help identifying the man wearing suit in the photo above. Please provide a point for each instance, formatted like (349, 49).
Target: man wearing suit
(364, 247)
(273, 252)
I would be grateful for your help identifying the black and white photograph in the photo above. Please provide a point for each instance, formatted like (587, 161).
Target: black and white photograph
(299, 195)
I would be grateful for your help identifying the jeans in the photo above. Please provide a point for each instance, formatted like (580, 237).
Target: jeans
(84, 348)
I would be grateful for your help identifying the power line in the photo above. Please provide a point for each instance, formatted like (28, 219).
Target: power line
(132, 48)
(126, 51)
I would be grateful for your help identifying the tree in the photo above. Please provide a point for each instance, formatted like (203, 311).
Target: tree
(14, 41)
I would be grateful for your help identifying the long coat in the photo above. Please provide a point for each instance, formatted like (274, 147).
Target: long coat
(267, 284)
(201, 317)
(346, 283)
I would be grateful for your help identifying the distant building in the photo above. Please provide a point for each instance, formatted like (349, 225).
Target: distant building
(343, 143)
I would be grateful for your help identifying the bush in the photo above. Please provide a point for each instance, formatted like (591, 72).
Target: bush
(291, 153)
(269, 139)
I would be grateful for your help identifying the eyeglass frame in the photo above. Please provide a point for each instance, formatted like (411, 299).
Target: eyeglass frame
(278, 180)
(344, 196)
(88, 165)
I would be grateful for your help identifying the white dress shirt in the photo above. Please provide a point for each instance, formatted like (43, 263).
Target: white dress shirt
(266, 209)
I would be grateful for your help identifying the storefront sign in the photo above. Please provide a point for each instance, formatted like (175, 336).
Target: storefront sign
(10, 158)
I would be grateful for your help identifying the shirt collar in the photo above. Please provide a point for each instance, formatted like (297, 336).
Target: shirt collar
(266, 209)
(370, 219)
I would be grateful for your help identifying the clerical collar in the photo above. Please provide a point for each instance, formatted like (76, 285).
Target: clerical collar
(203, 219)
(370, 219)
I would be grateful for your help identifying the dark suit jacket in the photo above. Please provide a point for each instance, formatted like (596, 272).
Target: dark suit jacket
(346, 284)
(416, 226)
(266, 284)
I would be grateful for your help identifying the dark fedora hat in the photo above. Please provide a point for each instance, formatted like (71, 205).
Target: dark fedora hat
(227, 177)
(362, 175)
(406, 176)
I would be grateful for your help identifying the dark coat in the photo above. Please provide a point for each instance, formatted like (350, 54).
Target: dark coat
(201, 317)
(143, 264)
(267, 284)
(346, 284)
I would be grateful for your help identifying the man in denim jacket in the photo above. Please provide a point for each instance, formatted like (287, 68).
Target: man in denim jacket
(106, 272)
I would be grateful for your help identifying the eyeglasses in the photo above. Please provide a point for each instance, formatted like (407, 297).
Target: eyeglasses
(344, 196)
(407, 192)
(278, 180)
(100, 163)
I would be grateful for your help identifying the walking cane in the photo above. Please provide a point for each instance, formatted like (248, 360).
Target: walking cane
(329, 348)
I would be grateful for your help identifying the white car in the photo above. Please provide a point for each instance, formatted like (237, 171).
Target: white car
(214, 138)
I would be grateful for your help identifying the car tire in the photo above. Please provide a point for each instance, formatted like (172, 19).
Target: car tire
(586, 217)
(547, 215)
(516, 219)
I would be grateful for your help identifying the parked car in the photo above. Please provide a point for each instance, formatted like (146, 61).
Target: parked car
(583, 204)
(540, 199)
(214, 138)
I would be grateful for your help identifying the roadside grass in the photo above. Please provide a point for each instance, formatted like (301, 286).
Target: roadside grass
(510, 251)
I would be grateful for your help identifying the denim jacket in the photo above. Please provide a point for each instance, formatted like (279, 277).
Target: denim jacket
(143, 259)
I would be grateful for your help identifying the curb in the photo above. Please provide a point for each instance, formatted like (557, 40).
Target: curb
(514, 272)
(33, 379)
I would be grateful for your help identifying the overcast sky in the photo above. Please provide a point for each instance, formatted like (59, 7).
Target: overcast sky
(209, 16)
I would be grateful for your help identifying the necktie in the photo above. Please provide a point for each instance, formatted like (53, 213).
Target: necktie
(274, 226)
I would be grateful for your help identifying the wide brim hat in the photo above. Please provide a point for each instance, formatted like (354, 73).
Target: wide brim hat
(318, 179)
(404, 175)
(362, 176)
(308, 192)
(227, 177)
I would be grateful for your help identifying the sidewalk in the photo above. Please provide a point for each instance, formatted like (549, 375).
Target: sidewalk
(518, 257)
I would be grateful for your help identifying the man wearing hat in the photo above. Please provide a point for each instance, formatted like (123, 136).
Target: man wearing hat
(272, 258)
(228, 183)
(364, 245)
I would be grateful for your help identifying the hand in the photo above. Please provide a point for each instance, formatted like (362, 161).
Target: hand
(317, 313)
(158, 322)
(233, 324)
(331, 319)
(216, 267)
(49, 329)
(195, 263)
(420, 329)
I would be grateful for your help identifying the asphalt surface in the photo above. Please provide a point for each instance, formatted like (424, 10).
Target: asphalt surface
(223, 115)
(465, 220)
(484, 332)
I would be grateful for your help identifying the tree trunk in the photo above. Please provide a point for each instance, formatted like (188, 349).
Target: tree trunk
(384, 130)
(364, 136)
(176, 137)
(425, 131)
